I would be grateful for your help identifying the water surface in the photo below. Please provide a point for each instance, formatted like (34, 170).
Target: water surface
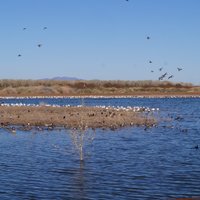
(130, 163)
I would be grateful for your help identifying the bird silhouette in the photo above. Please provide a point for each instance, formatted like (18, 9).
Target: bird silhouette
(160, 69)
(170, 76)
(24, 29)
(19, 55)
(148, 37)
(179, 69)
(39, 45)
(196, 147)
(152, 71)
(162, 76)
(150, 61)
(45, 28)
(165, 74)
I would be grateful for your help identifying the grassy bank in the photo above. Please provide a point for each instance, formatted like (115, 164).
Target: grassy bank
(94, 87)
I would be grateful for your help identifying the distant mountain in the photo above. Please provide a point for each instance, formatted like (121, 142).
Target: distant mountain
(62, 78)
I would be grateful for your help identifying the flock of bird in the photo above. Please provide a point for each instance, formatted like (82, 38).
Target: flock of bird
(38, 45)
(165, 75)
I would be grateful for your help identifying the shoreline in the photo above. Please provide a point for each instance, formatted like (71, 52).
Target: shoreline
(103, 96)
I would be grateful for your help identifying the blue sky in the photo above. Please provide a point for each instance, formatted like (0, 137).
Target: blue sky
(100, 39)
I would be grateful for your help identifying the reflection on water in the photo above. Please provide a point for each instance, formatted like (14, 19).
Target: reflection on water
(133, 163)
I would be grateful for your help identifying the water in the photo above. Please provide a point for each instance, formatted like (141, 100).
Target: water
(131, 163)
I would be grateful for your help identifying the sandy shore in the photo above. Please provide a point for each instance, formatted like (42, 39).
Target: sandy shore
(72, 117)
(142, 95)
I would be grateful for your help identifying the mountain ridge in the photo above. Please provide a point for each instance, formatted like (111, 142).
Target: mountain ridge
(62, 78)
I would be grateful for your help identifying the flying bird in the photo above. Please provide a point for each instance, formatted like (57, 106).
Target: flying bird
(152, 71)
(162, 76)
(39, 45)
(160, 69)
(24, 29)
(179, 69)
(150, 61)
(19, 55)
(45, 28)
(165, 74)
(148, 37)
(170, 76)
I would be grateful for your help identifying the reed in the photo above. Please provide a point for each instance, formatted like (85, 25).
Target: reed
(92, 87)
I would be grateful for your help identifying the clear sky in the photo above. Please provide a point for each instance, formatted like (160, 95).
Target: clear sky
(100, 39)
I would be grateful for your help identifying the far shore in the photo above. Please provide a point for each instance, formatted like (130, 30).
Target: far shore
(96, 88)
(152, 95)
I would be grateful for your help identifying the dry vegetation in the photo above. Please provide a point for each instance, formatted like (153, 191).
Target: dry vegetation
(94, 87)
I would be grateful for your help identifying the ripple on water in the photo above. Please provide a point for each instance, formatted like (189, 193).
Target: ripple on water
(132, 163)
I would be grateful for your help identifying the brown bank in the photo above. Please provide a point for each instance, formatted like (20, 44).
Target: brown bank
(71, 117)
(20, 88)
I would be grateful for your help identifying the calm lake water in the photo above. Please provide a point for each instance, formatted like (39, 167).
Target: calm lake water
(131, 163)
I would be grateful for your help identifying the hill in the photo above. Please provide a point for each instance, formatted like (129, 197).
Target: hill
(62, 78)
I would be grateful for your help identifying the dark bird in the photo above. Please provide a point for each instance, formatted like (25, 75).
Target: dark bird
(163, 76)
(24, 29)
(196, 147)
(150, 61)
(160, 69)
(45, 28)
(148, 37)
(39, 45)
(19, 55)
(179, 69)
(152, 71)
(170, 76)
